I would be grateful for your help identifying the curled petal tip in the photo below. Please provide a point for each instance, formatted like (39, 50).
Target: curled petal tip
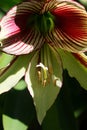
(81, 57)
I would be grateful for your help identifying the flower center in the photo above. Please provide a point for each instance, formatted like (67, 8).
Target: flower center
(42, 22)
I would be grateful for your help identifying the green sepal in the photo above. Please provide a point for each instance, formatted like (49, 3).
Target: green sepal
(74, 67)
(14, 72)
(43, 96)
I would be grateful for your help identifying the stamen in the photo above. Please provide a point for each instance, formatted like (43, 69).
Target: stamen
(39, 75)
(42, 66)
(57, 81)
(44, 82)
(43, 74)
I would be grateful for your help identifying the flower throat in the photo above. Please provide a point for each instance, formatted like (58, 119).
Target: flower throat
(42, 22)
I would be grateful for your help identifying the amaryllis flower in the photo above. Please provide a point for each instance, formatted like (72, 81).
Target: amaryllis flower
(60, 23)
(39, 29)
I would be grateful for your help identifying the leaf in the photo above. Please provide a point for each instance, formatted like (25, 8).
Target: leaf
(43, 96)
(18, 108)
(5, 60)
(74, 67)
(20, 86)
(2, 13)
(83, 2)
(6, 5)
(14, 73)
(13, 124)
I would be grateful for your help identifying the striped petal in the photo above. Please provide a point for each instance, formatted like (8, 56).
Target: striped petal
(15, 37)
(17, 17)
(81, 57)
(23, 43)
(7, 24)
(70, 31)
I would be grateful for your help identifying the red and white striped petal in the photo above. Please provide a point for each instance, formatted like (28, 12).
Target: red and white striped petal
(8, 25)
(81, 57)
(71, 27)
(23, 44)
(15, 37)
(16, 19)
(18, 48)
(50, 5)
